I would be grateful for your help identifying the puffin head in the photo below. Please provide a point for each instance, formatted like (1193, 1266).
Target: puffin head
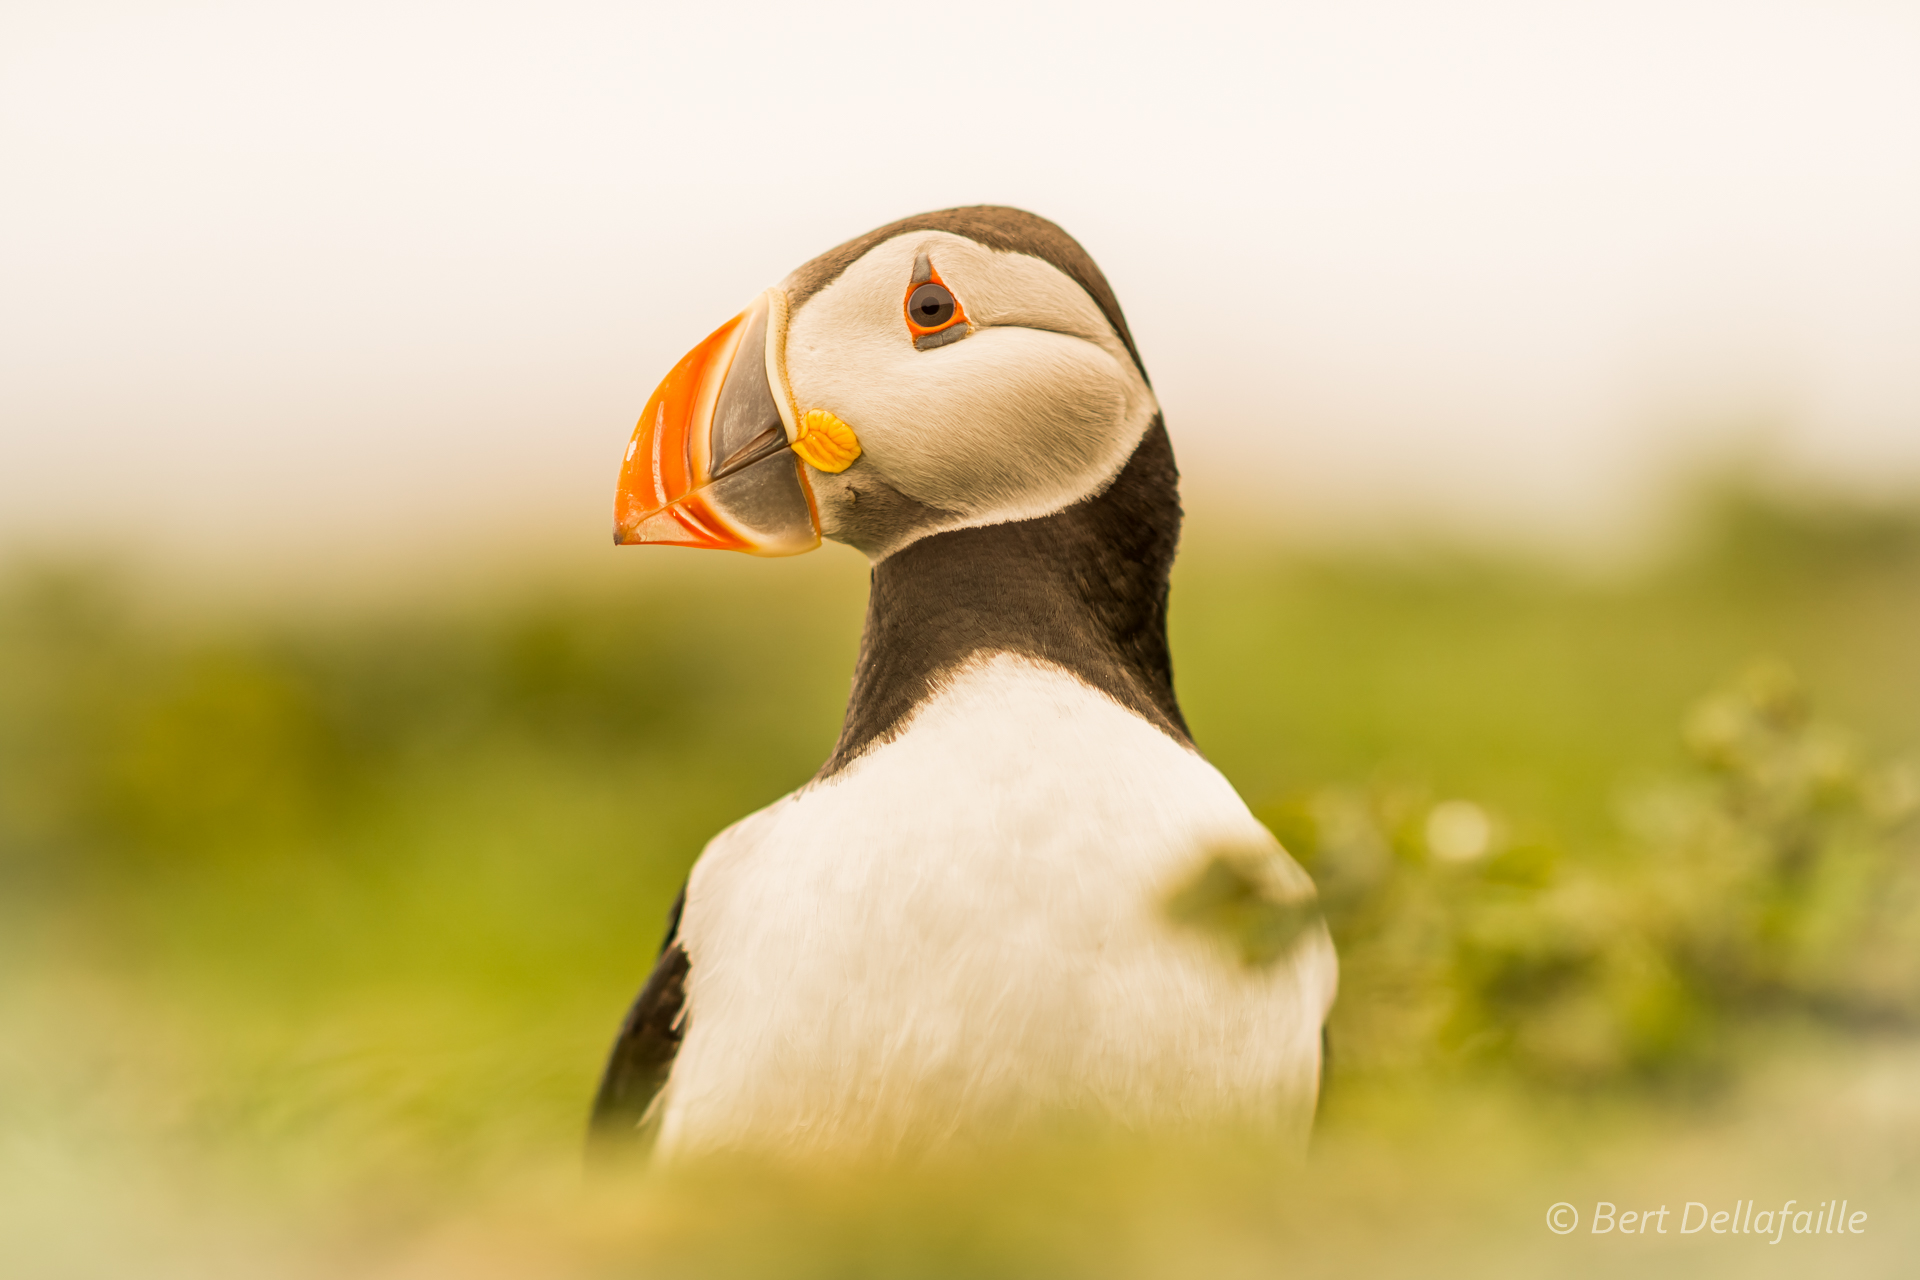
(956, 370)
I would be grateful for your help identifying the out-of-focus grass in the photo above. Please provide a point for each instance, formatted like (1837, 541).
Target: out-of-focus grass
(313, 930)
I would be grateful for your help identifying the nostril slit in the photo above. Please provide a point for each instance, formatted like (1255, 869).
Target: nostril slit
(765, 445)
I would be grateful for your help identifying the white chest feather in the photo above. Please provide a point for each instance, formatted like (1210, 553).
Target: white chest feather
(961, 931)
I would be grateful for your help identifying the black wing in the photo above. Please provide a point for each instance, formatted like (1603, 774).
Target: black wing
(643, 1053)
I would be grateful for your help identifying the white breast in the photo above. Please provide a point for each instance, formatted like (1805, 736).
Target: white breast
(961, 931)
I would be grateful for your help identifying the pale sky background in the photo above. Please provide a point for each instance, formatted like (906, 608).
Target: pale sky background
(286, 280)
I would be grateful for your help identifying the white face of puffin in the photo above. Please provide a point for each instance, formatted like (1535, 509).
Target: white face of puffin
(1035, 406)
(934, 384)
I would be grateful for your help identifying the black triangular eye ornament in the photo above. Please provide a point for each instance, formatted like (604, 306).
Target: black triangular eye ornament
(934, 316)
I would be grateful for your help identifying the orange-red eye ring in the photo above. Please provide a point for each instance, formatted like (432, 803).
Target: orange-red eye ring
(919, 330)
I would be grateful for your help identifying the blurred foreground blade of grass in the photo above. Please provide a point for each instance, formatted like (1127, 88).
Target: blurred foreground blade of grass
(313, 930)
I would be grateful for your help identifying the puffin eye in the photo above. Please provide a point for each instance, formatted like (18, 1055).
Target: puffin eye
(934, 316)
(930, 307)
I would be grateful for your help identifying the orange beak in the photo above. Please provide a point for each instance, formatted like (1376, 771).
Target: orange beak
(710, 463)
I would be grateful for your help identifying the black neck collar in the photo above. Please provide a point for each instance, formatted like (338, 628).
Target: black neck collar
(1084, 589)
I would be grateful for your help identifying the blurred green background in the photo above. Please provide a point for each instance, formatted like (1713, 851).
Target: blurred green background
(316, 920)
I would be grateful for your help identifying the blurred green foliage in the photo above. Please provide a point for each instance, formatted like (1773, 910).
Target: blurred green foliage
(354, 898)
(1236, 895)
(1773, 877)
(130, 740)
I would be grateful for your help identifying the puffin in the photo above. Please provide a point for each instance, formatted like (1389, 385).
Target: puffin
(957, 928)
